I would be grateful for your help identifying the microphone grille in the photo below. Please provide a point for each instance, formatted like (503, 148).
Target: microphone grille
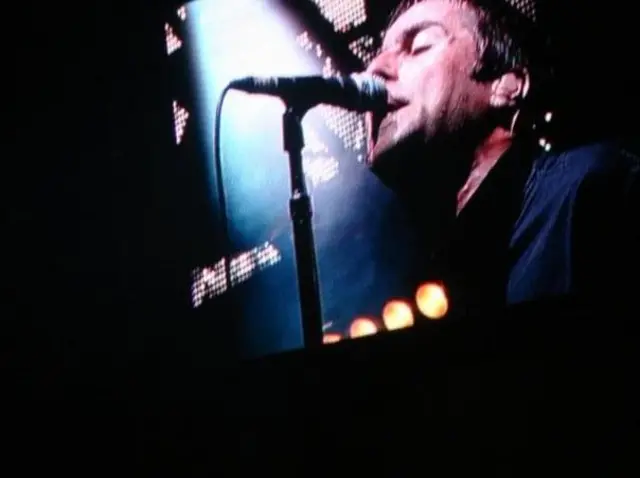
(372, 89)
(254, 84)
(264, 82)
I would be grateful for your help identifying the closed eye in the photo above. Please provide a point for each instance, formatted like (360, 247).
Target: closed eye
(421, 40)
(416, 50)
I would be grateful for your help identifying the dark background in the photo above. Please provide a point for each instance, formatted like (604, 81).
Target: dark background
(94, 307)
(91, 249)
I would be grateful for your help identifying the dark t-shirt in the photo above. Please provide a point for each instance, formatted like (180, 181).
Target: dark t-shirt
(545, 225)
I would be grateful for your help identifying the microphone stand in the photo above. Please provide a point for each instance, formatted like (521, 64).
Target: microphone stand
(301, 213)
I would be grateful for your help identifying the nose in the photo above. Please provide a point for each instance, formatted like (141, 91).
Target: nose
(384, 65)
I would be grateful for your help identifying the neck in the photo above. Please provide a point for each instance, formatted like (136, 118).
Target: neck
(485, 157)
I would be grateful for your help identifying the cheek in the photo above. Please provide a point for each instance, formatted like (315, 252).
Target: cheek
(418, 79)
(428, 83)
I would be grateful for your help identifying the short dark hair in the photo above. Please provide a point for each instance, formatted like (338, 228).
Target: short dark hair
(507, 39)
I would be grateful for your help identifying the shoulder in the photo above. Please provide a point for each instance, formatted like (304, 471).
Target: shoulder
(601, 158)
(606, 167)
(605, 214)
(591, 167)
(605, 205)
(586, 187)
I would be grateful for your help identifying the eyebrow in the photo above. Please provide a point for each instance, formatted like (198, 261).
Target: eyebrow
(416, 27)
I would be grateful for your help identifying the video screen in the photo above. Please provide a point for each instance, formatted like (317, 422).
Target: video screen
(364, 245)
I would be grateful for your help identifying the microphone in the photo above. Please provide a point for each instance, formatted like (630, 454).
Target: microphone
(358, 92)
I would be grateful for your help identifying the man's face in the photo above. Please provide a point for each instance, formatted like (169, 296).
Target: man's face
(427, 58)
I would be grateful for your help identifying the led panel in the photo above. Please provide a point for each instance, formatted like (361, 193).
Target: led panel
(348, 126)
(173, 42)
(180, 117)
(343, 14)
(211, 281)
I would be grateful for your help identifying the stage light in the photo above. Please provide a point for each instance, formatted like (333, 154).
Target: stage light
(313, 145)
(328, 69)
(361, 327)
(364, 49)
(343, 14)
(526, 7)
(173, 42)
(244, 265)
(544, 144)
(321, 169)
(348, 126)
(397, 315)
(182, 13)
(180, 117)
(208, 282)
(319, 166)
(331, 338)
(432, 301)
(231, 40)
(304, 41)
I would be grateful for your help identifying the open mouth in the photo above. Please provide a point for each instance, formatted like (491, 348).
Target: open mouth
(375, 121)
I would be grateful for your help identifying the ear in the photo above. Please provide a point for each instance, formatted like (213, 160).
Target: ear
(509, 89)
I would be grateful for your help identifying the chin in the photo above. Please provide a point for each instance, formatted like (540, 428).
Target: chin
(412, 166)
(395, 164)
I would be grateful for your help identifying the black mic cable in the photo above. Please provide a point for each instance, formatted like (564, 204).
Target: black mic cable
(223, 222)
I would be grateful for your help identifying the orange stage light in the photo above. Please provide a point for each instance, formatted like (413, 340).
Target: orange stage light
(361, 327)
(397, 315)
(331, 338)
(432, 301)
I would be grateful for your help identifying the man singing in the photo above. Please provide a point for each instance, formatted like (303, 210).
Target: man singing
(504, 220)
